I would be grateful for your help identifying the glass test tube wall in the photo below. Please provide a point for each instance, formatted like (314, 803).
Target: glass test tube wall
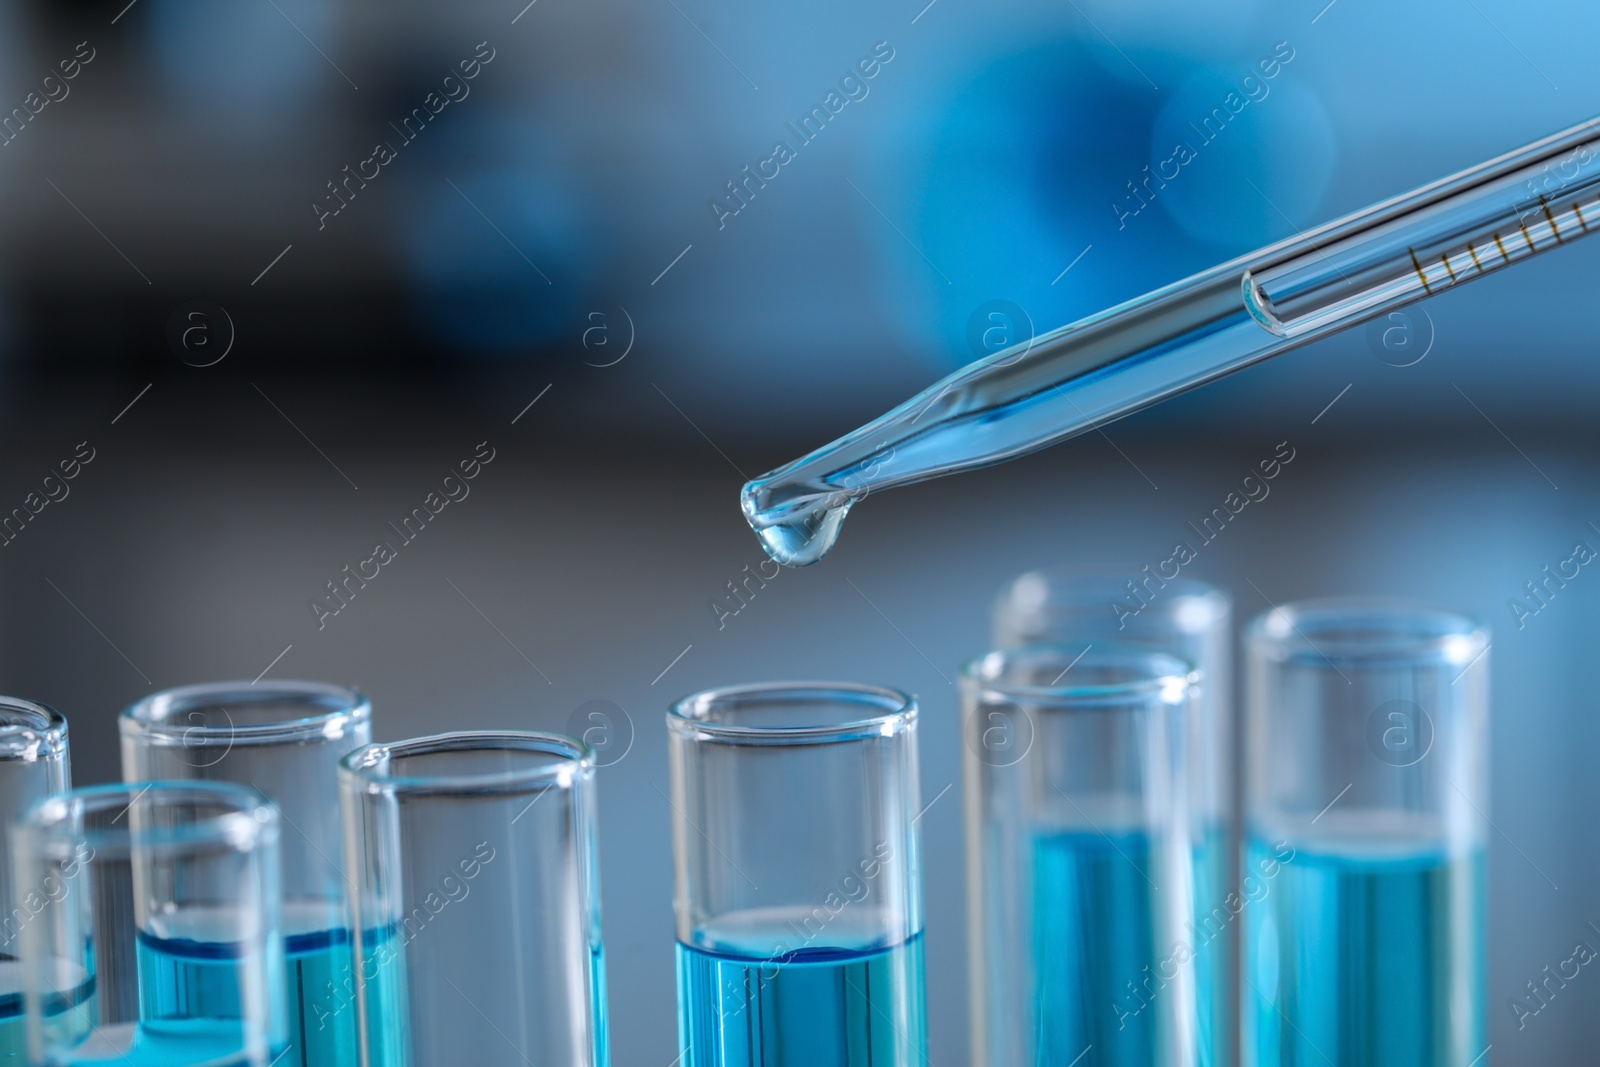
(477, 901)
(285, 739)
(1366, 788)
(157, 939)
(1080, 865)
(33, 765)
(1194, 622)
(797, 888)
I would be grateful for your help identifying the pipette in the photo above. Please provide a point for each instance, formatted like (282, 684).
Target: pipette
(1118, 361)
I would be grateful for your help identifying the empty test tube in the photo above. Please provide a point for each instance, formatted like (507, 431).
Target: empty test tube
(477, 901)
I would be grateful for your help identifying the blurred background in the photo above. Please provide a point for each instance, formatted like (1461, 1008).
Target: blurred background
(274, 265)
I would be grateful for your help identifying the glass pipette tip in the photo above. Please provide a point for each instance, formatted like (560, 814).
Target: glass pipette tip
(1224, 319)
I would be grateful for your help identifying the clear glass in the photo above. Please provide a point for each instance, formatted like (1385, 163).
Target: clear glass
(285, 739)
(1080, 866)
(798, 888)
(1366, 812)
(1079, 377)
(154, 938)
(1192, 621)
(477, 901)
(34, 764)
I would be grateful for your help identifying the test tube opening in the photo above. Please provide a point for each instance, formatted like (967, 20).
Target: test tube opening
(30, 731)
(777, 713)
(1071, 677)
(117, 821)
(244, 713)
(471, 760)
(1063, 602)
(1366, 630)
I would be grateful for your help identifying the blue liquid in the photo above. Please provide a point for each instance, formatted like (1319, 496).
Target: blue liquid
(1093, 935)
(320, 1000)
(823, 1008)
(384, 1017)
(602, 1021)
(168, 1043)
(1374, 960)
(13, 1026)
(184, 979)
(13, 1040)
(1212, 936)
(190, 1006)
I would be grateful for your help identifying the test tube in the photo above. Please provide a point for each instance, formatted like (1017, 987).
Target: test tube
(797, 890)
(1366, 793)
(477, 901)
(1194, 622)
(33, 765)
(155, 940)
(1079, 868)
(284, 738)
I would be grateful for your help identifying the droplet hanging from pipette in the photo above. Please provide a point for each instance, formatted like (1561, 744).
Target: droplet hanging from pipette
(802, 541)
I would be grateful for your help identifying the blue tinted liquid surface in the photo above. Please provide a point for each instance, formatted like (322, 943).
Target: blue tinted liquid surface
(1377, 961)
(825, 1008)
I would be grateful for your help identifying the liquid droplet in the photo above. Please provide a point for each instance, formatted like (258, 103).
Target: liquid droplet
(802, 541)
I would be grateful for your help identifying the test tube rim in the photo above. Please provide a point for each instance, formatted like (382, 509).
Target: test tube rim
(43, 734)
(1088, 585)
(1279, 635)
(46, 827)
(147, 719)
(1169, 677)
(575, 761)
(686, 717)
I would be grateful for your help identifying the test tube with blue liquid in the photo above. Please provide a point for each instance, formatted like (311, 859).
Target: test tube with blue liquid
(286, 739)
(797, 889)
(1079, 859)
(1192, 621)
(477, 901)
(33, 765)
(159, 944)
(1366, 792)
